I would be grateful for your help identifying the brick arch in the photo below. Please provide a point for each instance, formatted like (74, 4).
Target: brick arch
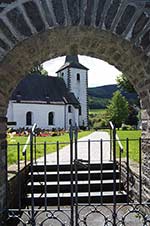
(32, 31)
(21, 19)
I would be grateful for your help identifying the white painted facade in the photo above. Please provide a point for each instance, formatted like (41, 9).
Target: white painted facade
(63, 114)
(64, 74)
(17, 112)
(79, 88)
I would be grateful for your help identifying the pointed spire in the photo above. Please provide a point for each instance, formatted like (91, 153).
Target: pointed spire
(72, 61)
(72, 58)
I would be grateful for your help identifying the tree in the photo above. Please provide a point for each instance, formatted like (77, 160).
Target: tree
(125, 84)
(132, 118)
(117, 109)
(39, 69)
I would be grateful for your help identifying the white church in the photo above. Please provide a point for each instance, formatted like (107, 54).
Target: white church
(51, 102)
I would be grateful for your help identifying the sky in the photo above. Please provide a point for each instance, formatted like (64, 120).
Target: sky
(100, 72)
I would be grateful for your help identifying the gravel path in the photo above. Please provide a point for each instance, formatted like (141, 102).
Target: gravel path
(95, 137)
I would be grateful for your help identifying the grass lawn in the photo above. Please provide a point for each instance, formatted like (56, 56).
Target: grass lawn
(97, 111)
(133, 137)
(50, 147)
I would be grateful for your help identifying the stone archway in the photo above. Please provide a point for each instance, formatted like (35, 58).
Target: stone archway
(32, 31)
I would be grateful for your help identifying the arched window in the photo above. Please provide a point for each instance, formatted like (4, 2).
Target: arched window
(29, 118)
(69, 108)
(80, 111)
(51, 118)
(70, 121)
(78, 77)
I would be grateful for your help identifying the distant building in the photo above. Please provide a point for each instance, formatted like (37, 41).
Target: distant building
(51, 102)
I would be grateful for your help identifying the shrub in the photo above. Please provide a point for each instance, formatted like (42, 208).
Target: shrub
(104, 123)
(97, 125)
(126, 127)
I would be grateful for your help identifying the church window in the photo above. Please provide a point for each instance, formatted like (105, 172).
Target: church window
(62, 74)
(29, 118)
(80, 111)
(51, 118)
(70, 121)
(69, 109)
(78, 77)
(18, 97)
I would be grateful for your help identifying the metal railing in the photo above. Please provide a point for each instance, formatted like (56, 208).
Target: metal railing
(28, 142)
(18, 172)
(113, 139)
(77, 164)
(126, 170)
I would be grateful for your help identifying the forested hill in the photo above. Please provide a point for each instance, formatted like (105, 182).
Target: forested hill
(98, 97)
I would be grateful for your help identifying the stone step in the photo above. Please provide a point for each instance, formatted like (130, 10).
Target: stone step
(82, 186)
(66, 175)
(67, 167)
(83, 197)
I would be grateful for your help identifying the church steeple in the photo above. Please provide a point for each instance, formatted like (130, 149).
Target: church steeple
(72, 61)
(75, 76)
(72, 58)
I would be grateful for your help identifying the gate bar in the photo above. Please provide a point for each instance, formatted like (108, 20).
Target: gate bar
(19, 178)
(58, 175)
(111, 143)
(89, 176)
(35, 157)
(32, 180)
(45, 178)
(127, 150)
(114, 176)
(76, 178)
(71, 174)
(140, 170)
(101, 171)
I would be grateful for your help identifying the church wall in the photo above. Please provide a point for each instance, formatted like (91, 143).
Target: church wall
(64, 74)
(76, 113)
(73, 115)
(10, 111)
(80, 90)
(40, 115)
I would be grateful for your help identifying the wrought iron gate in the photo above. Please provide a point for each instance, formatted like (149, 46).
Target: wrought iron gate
(121, 208)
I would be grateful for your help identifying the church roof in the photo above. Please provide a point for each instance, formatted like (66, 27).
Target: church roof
(72, 61)
(37, 87)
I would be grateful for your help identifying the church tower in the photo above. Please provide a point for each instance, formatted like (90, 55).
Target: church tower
(75, 76)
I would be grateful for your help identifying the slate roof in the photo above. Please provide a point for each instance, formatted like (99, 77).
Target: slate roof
(72, 61)
(37, 87)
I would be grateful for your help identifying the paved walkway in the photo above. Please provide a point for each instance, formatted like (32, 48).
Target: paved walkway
(95, 137)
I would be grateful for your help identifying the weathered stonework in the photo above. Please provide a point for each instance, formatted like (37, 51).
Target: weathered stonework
(3, 165)
(13, 188)
(33, 31)
(134, 183)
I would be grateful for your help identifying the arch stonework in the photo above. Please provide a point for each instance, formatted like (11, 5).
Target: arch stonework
(33, 31)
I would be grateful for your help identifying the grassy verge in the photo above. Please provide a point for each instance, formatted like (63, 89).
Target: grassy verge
(97, 111)
(133, 137)
(63, 141)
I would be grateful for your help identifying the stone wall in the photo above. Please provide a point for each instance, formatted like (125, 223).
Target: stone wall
(134, 183)
(33, 31)
(127, 19)
(3, 163)
(14, 184)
